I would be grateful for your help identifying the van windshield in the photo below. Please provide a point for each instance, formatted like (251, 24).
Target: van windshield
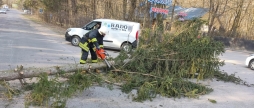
(92, 25)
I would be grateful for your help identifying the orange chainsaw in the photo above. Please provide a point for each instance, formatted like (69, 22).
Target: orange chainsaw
(103, 55)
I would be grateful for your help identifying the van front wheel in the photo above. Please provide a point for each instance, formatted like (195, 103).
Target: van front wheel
(75, 41)
(251, 65)
(127, 47)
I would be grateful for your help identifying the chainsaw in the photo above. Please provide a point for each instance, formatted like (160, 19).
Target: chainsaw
(103, 55)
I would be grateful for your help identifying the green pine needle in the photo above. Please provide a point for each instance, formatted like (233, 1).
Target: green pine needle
(213, 101)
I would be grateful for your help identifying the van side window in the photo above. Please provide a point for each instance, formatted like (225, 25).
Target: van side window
(93, 25)
(97, 26)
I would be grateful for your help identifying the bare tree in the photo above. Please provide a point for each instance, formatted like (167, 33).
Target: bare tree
(131, 13)
(240, 12)
(236, 21)
(216, 9)
(145, 12)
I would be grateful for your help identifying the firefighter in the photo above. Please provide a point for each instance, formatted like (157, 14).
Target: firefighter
(92, 41)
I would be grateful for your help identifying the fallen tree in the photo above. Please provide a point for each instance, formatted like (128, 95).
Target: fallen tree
(21, 72)
(162, 66)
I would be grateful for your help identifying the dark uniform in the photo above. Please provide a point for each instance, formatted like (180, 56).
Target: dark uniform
(90, 42)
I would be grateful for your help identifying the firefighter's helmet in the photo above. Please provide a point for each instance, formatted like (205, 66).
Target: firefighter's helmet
(103, 30)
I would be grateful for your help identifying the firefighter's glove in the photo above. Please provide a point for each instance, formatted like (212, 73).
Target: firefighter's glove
(97, 48)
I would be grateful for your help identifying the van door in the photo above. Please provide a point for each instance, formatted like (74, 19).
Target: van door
(118, 33)
(108, 39)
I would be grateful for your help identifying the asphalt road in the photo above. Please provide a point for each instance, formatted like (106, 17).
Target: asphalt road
(235, 64)
(23, 42)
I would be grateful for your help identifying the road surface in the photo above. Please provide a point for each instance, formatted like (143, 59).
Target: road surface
(23, 42)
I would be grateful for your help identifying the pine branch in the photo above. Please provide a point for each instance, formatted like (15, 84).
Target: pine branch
(89, 71)
(117, 84)
(169, 54)
(10, 91)
(150, 75)
(158, 59)
(127, 61)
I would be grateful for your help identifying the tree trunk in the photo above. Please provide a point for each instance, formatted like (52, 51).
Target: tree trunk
(21, 72)
(94, 9)
(131, 13)
(236, 22)
(124, 9)
(213, 11)
(147, 16)
(160, 25)
(172, 16)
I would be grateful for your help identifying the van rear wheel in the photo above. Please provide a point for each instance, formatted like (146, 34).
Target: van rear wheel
(75, 40)
(127, 47)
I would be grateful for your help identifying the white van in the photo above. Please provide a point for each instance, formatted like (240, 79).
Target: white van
(123, 35)
(6, 7)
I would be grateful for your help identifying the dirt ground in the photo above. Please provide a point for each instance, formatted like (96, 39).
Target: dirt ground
(226, 94)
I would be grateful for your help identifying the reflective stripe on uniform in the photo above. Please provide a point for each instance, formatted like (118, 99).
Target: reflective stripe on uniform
(101, 46)
(94, 40)
(94, 61)
(94, 49)
(89, 40)
(84, 46)
(82, 61)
